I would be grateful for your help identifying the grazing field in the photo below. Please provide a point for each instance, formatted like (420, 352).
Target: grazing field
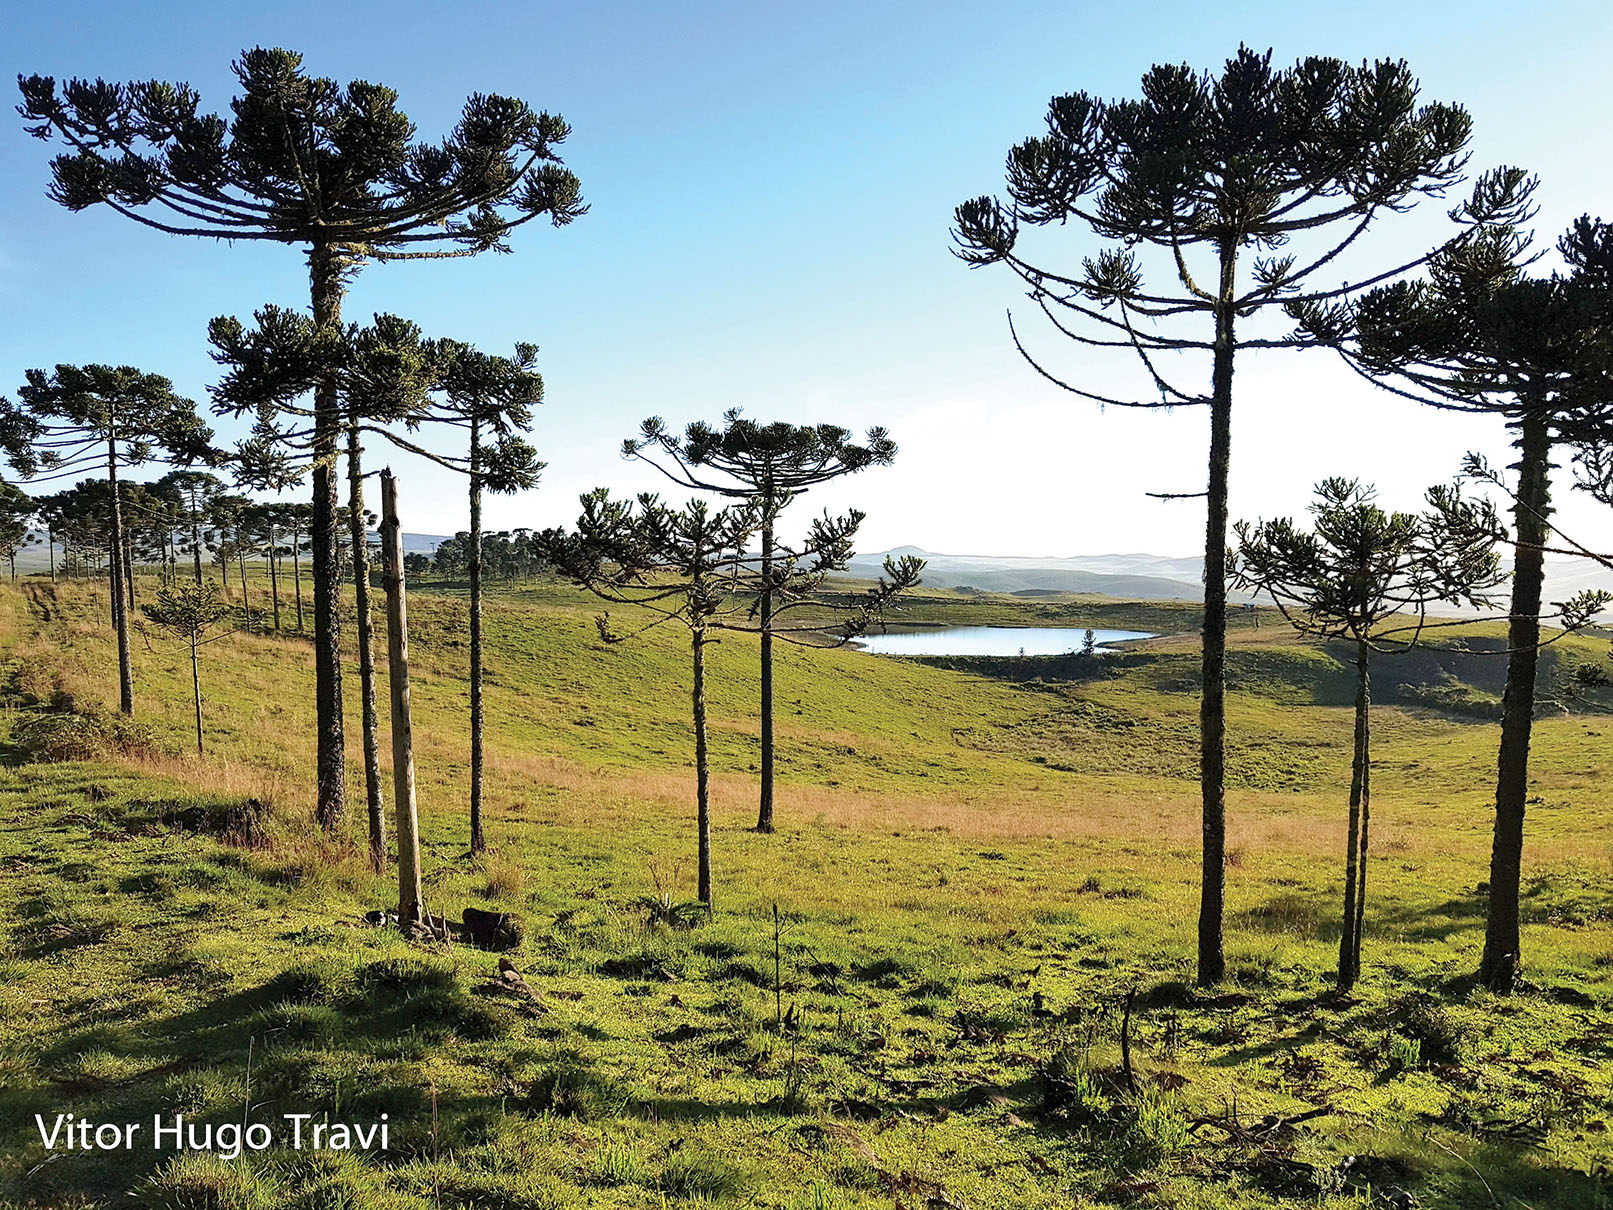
(978, 863)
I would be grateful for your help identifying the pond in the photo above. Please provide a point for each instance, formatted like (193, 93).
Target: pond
(993, 640)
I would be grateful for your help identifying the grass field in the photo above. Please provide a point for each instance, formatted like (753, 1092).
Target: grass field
(976, 863)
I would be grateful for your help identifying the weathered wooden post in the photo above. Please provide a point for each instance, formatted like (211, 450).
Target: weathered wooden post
(397, 645)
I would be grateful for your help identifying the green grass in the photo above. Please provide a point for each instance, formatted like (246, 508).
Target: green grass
(973, 868)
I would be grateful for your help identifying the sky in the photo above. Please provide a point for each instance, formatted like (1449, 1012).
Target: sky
(771, 191)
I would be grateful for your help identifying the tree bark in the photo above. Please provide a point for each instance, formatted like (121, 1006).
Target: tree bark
(1501, 933)
(326, 280)
(1349, 939)
(240, 564)
(701, 766)
(478, 842)
(764, 818)
(120, 615)
(196, 689)
(410, 894)
(366, 646)
(296, 572)
(196, 539)
(128, 570)
(1212, 703)
(274, 581)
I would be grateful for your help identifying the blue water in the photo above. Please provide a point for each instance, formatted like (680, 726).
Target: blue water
(993, 640)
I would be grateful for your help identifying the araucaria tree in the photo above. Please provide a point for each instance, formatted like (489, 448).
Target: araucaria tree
(693, 566)
(1219, 179)
(101, 416)
(491, 398)
(773, 463)
(189, 610)
(17, 511)
(680, 565)
(276, 371)
(335, 170)
(1479, 334)
(1367, 577)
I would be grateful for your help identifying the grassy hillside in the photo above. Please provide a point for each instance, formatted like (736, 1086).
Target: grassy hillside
(976, 864)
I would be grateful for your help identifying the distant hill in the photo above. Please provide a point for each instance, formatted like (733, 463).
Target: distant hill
(1136, 576)
(1140, 576)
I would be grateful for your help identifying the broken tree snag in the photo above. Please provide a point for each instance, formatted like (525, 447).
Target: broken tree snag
(397, 647)
(492, 930)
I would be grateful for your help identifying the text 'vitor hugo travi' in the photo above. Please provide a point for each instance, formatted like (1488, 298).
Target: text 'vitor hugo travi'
(174, 1132)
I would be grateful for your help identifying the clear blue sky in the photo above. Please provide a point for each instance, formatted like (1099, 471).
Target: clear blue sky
(771, 188)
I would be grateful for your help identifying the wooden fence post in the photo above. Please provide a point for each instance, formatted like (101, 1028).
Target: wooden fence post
(397, 646)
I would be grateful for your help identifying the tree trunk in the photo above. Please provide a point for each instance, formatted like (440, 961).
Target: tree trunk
(366, 646)
(240, 564)
(1349, 939)
(1212, 704)
(274, 581)
(325, 275)
(397, 642)
(701, 766)
(128, 570)
(478, 842)
(120, 616)
(764, 818)
(196, 544)
(50, 543)
(1501, 933)
(1366, 845)
(196, 689)
(296, 572)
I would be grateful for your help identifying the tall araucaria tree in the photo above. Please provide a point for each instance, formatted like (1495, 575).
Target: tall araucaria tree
(774, 463)
(1479, 334)
(278, 371)
(491, 398)
(97, 415)
(334, 170)
(1368, 577)
(679, 565)
(1223, 180)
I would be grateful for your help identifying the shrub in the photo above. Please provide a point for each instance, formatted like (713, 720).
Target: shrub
(694, 1172)
(1423, 1020)
(574, 1091)
(1068, 1087)
(65, 737)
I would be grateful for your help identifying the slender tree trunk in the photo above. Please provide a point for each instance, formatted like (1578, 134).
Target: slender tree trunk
(120, 616)
(1349, 941)
(764, 818)
(478, 842)
(325, 273)
(240, 564)
(50, 543)
(128, 569)
(1501, 934)
(196, 545)
(296, 572)
(196, 688)
(1212, 705)
(274, 581)
(1366, 845)
(702, 771)
(366, 646)
(410, 894)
